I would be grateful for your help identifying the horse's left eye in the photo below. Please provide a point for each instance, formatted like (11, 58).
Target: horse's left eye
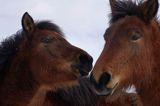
(135, 36)
(46, 39)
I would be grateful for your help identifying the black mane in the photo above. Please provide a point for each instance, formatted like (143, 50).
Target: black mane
(10, 46)
(81, 95)
(126, 8)
(49, 26)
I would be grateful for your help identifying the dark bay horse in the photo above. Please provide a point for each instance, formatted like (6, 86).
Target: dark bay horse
(131, 54)
(37, 60)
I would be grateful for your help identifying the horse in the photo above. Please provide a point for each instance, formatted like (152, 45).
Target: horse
(131, 54)
(37, 60)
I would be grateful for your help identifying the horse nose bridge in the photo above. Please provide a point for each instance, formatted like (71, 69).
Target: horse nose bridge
(79, 53)
(103, 66)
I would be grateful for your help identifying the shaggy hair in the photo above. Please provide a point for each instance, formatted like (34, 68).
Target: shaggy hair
(126, 8)
(81, 95)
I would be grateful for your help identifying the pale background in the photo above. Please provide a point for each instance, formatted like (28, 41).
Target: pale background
(83, 21)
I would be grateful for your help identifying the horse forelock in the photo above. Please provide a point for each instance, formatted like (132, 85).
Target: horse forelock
(127, 8)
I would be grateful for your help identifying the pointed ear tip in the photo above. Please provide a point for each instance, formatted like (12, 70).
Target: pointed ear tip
(25, 14)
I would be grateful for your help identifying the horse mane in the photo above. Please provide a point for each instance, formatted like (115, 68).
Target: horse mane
(10, 46)
(126, 8)
(47, 25)
(80, 95)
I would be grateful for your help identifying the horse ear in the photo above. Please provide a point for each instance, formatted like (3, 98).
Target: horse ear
(149, 9)
(27, 23)
(112, 5)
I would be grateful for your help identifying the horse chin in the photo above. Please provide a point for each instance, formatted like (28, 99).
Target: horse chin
(79, 71)
(83, 72)
(120, 91)
(106, 91)
(114, 95)
(102, 91)
(76, 73)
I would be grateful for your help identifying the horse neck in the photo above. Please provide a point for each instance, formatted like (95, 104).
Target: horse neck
(150, 92)
(18, 85)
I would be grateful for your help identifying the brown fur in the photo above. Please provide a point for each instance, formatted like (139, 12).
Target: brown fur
(125, 99)
(38, 60)
(131, 54)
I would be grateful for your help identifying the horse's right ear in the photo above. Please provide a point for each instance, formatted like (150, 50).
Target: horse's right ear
(112, 5)
(27, 23)
(149, 9)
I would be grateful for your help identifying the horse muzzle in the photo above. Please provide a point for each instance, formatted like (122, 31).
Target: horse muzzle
(100, 87)
(84, 64)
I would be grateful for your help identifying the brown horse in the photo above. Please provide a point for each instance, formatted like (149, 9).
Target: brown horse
(131, 54)
(37, 59)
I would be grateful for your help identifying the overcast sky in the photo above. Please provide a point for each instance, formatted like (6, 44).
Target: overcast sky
(83, 21)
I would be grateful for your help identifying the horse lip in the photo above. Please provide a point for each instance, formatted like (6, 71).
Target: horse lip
(97, 89)
(103, 92)
(114, 88)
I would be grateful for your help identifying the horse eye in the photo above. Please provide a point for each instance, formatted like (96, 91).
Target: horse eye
(46, 39)
(135, 36)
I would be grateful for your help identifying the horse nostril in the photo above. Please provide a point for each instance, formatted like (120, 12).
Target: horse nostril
(104, 79)
(85, 58)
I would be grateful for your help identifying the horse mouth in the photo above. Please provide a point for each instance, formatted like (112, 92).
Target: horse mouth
(104, 91)
(114, 88)
(100, 88)
(81, 70)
